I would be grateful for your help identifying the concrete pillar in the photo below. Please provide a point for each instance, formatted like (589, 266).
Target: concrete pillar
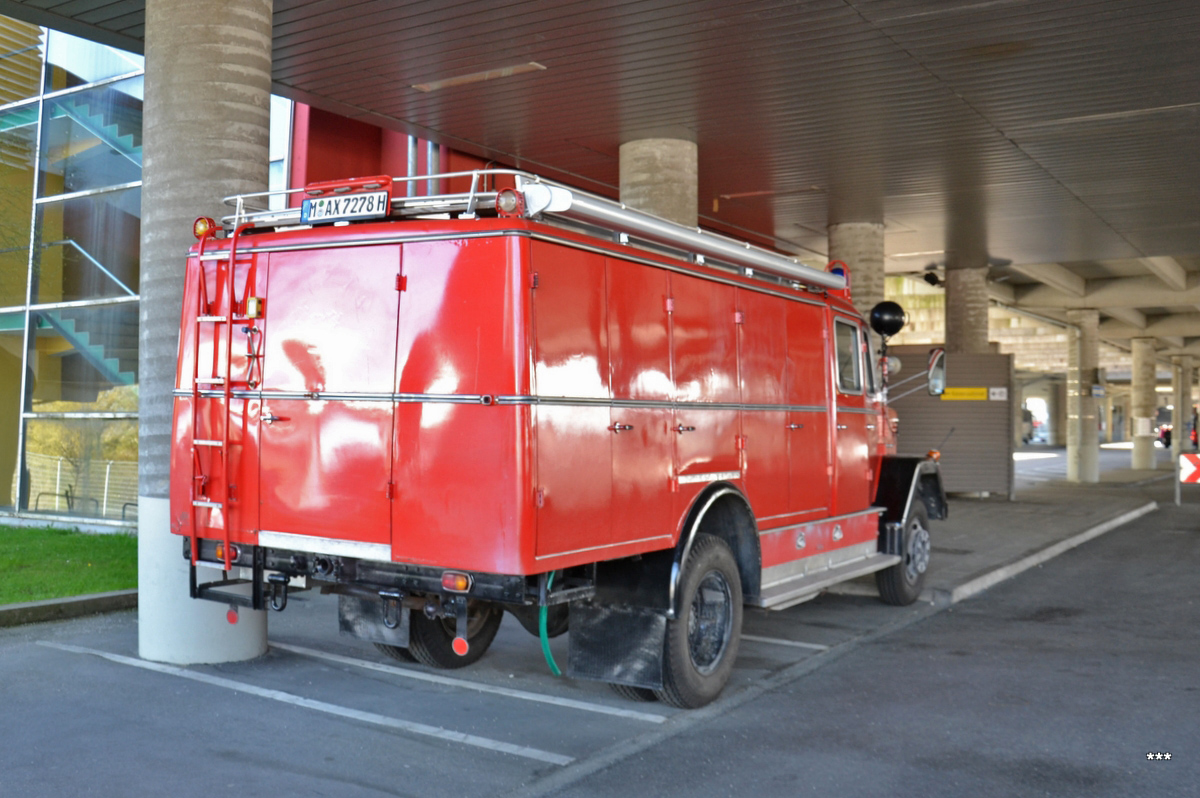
(1109, 401)
(1143, 403)
(660, 176)
(1058, 415)
(1181, 402)
(1083, 430)
(860, 246)
(205, 130)
(967, 310)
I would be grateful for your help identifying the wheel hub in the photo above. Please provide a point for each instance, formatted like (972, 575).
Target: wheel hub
(918, 551)
(710, 620)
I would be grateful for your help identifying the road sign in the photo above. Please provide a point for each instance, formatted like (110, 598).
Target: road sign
(1189, 468)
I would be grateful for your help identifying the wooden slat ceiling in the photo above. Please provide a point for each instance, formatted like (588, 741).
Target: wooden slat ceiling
(1068, 131)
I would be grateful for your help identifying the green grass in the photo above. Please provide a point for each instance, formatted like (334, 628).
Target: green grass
(37, 564)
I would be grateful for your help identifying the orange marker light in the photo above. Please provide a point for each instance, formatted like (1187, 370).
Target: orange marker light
(456, 581)
(934, 455)
(203, 227)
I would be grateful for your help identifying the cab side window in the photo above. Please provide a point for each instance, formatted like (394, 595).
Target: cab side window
(849, 376)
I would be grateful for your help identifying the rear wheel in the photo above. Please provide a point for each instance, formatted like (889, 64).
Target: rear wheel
(634, 693)
(396, 652)
(702, 642)
(430, 640)
(902, 583)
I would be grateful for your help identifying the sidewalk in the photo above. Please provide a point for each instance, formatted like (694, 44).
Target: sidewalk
(988, 540)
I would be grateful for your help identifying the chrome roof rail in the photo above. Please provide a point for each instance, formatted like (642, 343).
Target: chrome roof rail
(547, 198)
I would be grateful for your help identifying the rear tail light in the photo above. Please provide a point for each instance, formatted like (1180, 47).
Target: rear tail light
(456, 582)
(234, 552)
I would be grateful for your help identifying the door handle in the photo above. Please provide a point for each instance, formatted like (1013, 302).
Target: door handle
(870, 426)
(620, 427)
(271, 418)
(843, 426)
(795, 426)
(682, 429)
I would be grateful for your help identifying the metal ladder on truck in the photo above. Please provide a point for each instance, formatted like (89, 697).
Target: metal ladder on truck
(209, 314)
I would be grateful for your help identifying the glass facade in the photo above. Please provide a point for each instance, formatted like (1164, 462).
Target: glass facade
(70, 226)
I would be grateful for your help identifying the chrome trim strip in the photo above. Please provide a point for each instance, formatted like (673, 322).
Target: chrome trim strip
(487, 399)
(865, 411)
(367, 242)
(317, 545)
(831, 520)
(712, 476)
(600, 548)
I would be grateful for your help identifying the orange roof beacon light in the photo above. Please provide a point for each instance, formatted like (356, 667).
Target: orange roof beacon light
(204, 227)
(934, 455)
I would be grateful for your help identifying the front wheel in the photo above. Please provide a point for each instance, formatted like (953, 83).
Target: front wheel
(702, 643)
(430, 640)
(902, 583)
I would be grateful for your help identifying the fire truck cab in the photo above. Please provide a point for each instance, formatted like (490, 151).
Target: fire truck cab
(515, 396)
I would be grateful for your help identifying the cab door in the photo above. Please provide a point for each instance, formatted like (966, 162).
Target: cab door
(329, 354)
(852, 476)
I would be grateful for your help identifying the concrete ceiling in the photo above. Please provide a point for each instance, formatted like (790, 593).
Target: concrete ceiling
(1063, 133)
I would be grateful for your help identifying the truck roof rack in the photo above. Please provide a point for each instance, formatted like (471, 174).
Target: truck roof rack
(532, 196)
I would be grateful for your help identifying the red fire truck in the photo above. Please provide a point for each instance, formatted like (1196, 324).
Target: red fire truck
(515, 396)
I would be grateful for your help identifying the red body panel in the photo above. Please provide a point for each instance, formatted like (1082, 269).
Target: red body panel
(506, 397)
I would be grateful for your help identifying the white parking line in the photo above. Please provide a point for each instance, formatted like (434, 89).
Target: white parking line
(781, 642)
(586, 706)
(321, 706)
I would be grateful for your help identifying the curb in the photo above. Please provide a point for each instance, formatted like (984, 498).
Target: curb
(64, 608)
(945, 598)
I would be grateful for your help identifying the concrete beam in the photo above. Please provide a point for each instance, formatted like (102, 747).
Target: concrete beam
(1123, 292)
(1134, 318)
(1001, 292)
(1178, 325)
(1055, 276)
(1168, 270)
(1172, 341)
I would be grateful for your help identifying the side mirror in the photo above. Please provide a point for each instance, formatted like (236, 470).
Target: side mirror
(936, 373)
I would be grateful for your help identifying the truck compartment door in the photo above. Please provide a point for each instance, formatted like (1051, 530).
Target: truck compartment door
(329, 352)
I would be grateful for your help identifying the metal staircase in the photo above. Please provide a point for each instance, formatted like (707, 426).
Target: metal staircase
(81, 342)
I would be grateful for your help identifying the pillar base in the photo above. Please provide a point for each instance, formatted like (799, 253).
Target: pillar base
(1143, 458)
(172, 626)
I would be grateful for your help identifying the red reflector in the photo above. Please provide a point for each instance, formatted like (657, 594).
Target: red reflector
(460, 646)
(232, 615)
(456, 582)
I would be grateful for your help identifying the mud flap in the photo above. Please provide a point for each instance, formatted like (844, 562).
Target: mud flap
(373, 620)
(620, 644)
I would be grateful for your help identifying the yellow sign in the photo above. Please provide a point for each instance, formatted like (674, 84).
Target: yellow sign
(965, 394)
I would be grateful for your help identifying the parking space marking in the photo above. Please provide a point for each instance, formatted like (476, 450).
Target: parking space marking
(321, 706)
(586, 706)
(781, 642)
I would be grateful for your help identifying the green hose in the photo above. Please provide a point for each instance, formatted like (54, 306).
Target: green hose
(542, 630)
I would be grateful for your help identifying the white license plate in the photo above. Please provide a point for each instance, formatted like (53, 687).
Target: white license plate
(367, 205)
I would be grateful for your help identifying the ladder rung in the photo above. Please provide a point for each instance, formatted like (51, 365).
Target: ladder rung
(212, 318)
(203, 503)
(210, 380)
(203, 442)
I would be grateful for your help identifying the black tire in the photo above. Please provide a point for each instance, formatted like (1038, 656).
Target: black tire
(901, 584)
(630, 693)
(557, 619)
(702, 643)
(430, 640)
(396, 652)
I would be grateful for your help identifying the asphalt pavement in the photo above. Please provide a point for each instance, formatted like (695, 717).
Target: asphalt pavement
(1053, 651)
